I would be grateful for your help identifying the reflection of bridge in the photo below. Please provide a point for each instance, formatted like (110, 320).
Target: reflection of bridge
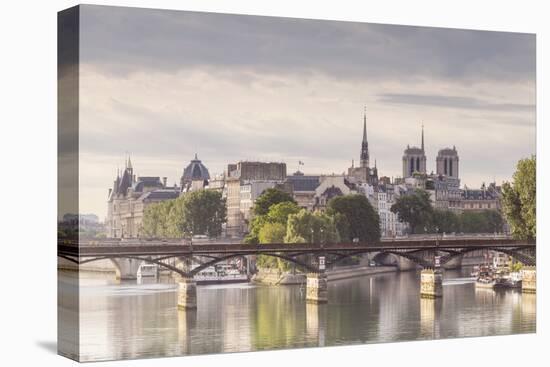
(307, 257)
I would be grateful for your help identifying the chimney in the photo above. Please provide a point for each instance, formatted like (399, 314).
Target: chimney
(164, 180)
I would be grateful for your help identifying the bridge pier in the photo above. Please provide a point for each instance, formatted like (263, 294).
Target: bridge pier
(187, 293)
(529, 279)
(431, 283)
(316, 288)
(126, 269)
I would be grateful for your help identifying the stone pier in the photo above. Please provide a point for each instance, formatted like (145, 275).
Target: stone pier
(316, 288)
(187, 293)
(431, 283)
(529, 279)
(126, 269)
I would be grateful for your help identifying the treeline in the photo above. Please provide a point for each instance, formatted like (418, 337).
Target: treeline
(200, 212)
(416, 210)
(278, 219)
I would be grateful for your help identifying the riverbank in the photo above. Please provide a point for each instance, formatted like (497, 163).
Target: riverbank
(276, 277)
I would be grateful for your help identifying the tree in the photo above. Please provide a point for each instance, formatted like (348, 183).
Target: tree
(197, 212)
(272, 233)
(358, 219)
(415, 209)
(483, 221)
(519, 200)
(278, 213)
(317, 227)
(203, 212)
(444, 221)
(268, 198)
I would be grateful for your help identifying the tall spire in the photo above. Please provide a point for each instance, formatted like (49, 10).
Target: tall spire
(129, 165)
(364, 161)
(422, 137)
(365, 125)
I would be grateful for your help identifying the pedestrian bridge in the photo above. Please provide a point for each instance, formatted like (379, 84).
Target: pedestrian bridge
(311, 258)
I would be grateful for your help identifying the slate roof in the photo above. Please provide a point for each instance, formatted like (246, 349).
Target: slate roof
(160, 195)
(195, 171)
(303, 183)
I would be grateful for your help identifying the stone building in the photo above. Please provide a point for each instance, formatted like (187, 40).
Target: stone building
(128, 199)
(246, 181)
(484, 198)
(414, 159)
(303, 189)
(332, 186)
(447, 163)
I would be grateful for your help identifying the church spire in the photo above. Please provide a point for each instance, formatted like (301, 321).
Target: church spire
(422, 137)
(365, 125)
(364, 144)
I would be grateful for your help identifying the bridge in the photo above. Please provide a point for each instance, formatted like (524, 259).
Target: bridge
(311, 258)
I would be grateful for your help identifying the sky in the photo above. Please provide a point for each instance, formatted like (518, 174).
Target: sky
(163, 85)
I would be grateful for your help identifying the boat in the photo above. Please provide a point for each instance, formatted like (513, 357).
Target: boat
(220, 275)
(485, 277)
(511, 280)
(487, 282)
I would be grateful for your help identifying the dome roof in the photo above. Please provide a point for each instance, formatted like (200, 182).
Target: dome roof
(195, 171)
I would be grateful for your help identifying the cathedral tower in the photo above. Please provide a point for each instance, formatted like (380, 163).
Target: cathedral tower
(414, 159)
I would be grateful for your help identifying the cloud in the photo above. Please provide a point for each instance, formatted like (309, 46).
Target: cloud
(162, 85)
(459, 102)
(125, 40)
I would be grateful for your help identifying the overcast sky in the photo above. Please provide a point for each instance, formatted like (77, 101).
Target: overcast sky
(163, 85)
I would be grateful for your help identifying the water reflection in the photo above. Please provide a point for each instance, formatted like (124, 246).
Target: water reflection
(130, 320)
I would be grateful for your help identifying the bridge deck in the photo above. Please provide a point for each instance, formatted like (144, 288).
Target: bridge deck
(181, 248)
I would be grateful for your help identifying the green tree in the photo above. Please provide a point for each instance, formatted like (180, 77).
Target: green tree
(414, 209)
(272, 233)
(358, 219)
(482, 221)
(268, 198)
(316, 227)
(519, 200)
(203, 212)
(278, 213)
(444, 221)
(197, 212)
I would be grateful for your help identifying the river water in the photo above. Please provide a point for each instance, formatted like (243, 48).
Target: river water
(129, 320)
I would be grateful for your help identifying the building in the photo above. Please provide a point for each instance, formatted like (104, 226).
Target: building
(303, 189)
(484, 198)
(195, 176)
(414, 159)
(364, 173)
(447, 162)
(444, 192)
(128, 199)
(246, 181)
(332, 186)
